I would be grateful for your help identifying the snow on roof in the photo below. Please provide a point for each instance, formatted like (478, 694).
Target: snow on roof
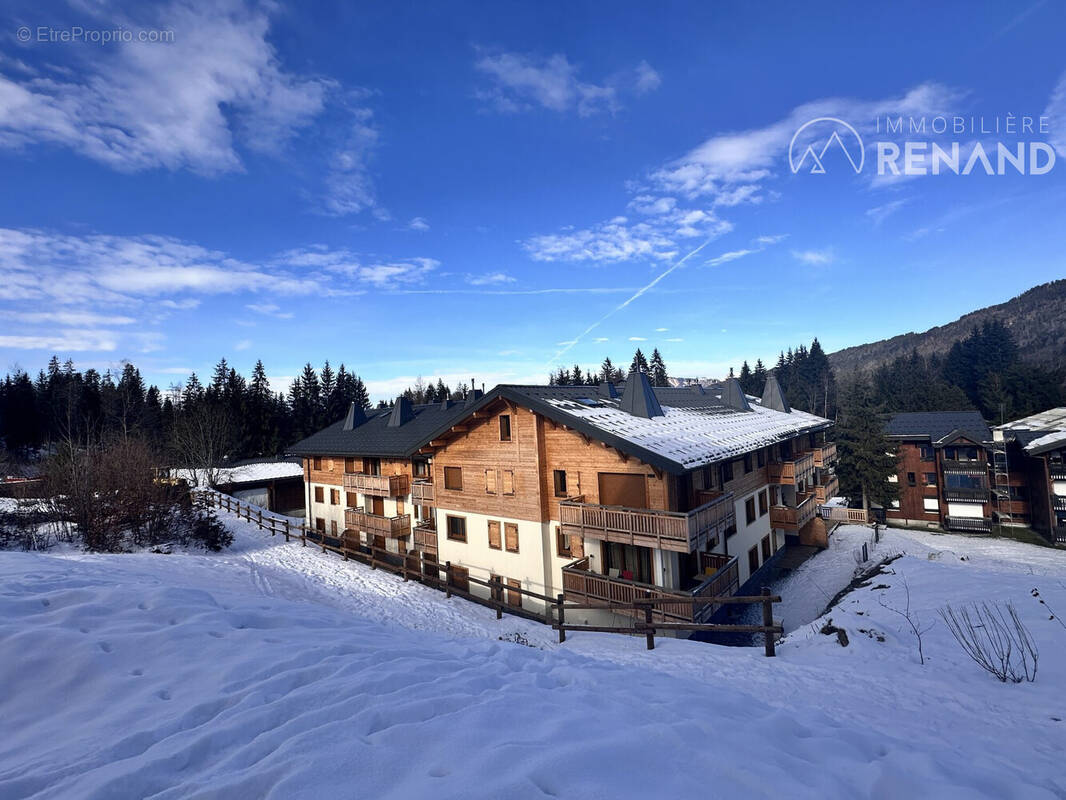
(1050, 423)
(245, 473)
(1047, 441)
(695, 436)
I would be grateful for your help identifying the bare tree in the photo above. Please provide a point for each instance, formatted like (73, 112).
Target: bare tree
(995, 638)
(201, 439)
(912, 618)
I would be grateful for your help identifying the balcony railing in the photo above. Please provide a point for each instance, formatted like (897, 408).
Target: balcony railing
(838, 514)
(979, 524)
(580, 585)
(681, 532)
(1058, 533)
(967, 494)
(826, 455)
(395, 527)
(426, 535)
(377, 485)
(965, 467)
(828, 488)
(1057, 471)
(788, 473)
(422, 493)
(792, 519)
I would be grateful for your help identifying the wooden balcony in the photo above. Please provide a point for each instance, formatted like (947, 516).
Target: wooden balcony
(789, 473)
(426, 536)
(580, 585)
(826, 455)
(965, 467)
(792, 519)
(377, 485)
(422, 493)
(974, 524)
(681, 532)
(837, 514)
(393, 527)
(829, 487)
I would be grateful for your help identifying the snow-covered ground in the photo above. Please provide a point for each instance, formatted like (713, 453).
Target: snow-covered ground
(273, 670)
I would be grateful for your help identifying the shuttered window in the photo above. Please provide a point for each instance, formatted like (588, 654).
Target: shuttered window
(510, 531)
(514, 598)
(316, 463)
(505, 427)
(320, 494)
(765, 547)
(457, 529)
(494, 535)
(453, 478)
(763, 504)
(334, 497)
(333, 526)
(349, 465)
(508, 481)
(490, 481)
(753, 560)
(568, 546)
(352, 499)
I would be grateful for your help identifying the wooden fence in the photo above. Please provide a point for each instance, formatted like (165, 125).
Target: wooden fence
(456, 580)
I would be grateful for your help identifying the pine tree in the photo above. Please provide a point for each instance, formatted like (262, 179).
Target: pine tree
(607, 370)
(745, 379)
(639, 363)
(866, 456)
(577, 377)
(657, 369)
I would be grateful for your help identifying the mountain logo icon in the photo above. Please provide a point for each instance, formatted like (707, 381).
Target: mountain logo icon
(813, 141)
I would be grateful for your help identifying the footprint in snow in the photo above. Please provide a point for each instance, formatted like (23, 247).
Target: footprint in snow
(105, 646)
(46, 602)
(163, 694)
(216, 634)
(142, 606)
(439, 772)
(136, 673)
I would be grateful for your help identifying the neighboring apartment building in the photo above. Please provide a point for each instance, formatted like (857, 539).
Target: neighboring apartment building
(943, 470)
(1029, 473)
(595, 492)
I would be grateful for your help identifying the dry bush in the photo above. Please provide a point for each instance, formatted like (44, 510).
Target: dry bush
(995, 638)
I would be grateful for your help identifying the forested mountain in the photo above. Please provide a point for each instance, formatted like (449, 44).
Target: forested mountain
(1036, 321)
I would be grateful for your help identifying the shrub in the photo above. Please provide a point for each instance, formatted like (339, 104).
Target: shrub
(995, 638)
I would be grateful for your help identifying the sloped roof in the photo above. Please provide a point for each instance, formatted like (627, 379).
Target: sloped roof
(1038, 433)
(939, 427)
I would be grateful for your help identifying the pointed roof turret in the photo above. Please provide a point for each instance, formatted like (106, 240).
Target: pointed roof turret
(402, 412)
(733, 396)
(608, 389)
(639, 398)
(772, 395)
(355, 417)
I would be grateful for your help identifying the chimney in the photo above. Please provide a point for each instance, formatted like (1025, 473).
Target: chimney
(638, 398)
(355, 417)
(733, 396)
(473, 396)
(773, 397)
(402, 412)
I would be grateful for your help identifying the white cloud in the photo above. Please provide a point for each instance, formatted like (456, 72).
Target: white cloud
(675, 339)
(661, 330)
(243, 344)
(732, 255)
(182, 104)
(1056, 114)
(74, 318)
(489, 279)
(64, 340)
(882, 212)
(638, 338)
(814, 257)
(379, 273)
(180, 305)
(521, 82)
(418, 224)
(601, 339)
(768, 240)
(349, 187)
(270, 310)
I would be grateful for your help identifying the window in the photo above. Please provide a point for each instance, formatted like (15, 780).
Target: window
(494, 535)
(559, 476)
(508, 481)
(753, 560)
(457, 529)
(316, 463)
(334, 497)
(760, 458)
(930, 479)
(763, 504)
(349, 465)
(727, 472)
(927, 452)
(951, 453)
(453, 478)
(352, 499)
(514, 598)
(333, 527)
(420, 469)
(911, 479)
(490, 481)
(747, 463)
(320, 494)
(955, 481)
(320, 524)
(562, 544)
(931, 504)
(765, 547)
(510, 531)
(749, 509)
(505, 427)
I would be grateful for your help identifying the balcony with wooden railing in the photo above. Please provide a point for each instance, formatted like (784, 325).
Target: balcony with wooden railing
(377, 485)
(678, 531)
(422, 493)
(839, 514)
(398, 527)
(792, 519)
(825, 455)
(581, 585)
(425, 532)
(827, 487)
(789, 473)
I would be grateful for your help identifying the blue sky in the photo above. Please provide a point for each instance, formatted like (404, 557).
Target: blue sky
(460, 190)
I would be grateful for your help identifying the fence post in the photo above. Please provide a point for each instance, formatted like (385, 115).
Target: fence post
(562, 620)
(448, 579)
(286, 530)
(768, 621)
(648, 621)
(403, 567)
(496, 593)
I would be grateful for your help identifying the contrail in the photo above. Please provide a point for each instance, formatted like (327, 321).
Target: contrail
(615, 310)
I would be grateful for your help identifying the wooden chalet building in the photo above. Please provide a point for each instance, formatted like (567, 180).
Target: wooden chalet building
(1029, 469)
(596, 492)
(943, 470)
